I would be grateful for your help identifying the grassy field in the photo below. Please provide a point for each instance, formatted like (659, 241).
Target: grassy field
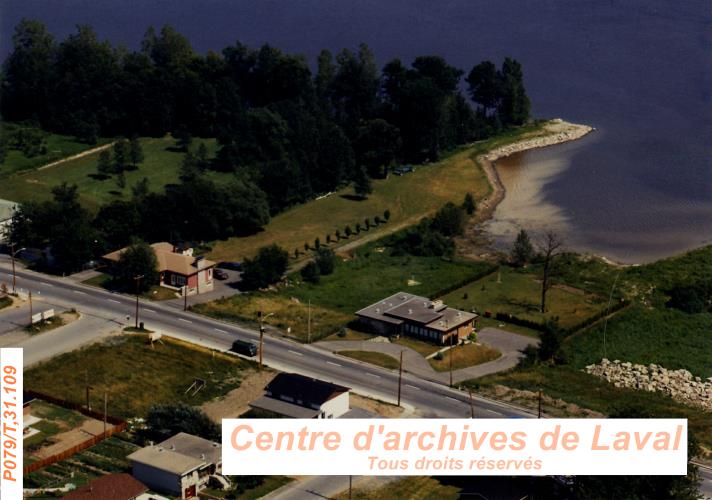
(156, 292)
(5, 302)
(409, 198)
(107, 457)
(577, 387)
(135, 375)
(519, 293)
(161, 166)
(464, 356)
(366, 277)
(58, 147)
(666, 337)
(411, 488)
(425, 349)
(375, 358)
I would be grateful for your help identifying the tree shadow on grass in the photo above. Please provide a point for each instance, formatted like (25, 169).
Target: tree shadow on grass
(353, 197)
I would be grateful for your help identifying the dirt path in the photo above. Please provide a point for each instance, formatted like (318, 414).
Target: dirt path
(236, 402)
(78, 155)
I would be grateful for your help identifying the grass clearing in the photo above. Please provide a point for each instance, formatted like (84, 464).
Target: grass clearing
(425, 349)
(577, 387)
(161, 166)
(519, 294)
(411, 488)
(409, 198)
(375, 358)
(464, 356)
(355, 283)
(136, 375)
(5, 302)
(350, 334)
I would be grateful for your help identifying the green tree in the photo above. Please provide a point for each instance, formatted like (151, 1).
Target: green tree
(135, 151)
(522, 250)
(469, 204)
(358, 227)
(449, 220)
(337, 233)
(202, 156)
(140, 190)
(166, 420)
(386, 215)
(310, 272)
(550, 249)
(326, 260)
(189, 170)
(514, 105)
(550, 341)
(362, 183)
(317, 244)
(266, 268)
(139, 259)
(484, 85)
(104, 167)
(70, 234)
(121, 180)
(348, 231)
(183, 139)
(121, 155)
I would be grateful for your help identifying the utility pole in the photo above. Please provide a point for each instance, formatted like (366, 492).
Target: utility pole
(12, 255)
(309, 322)
(400, 377)
(185, 297)
(137, 279)
(472, 404)
(106, 397)
(450, 360)
(539, 410)
(350, 477)
(29, 295)
(262, 332)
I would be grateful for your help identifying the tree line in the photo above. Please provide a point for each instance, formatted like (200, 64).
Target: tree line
(292, 131)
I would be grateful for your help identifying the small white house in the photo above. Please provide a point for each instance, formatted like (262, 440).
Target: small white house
(297, 396)
(180, 466)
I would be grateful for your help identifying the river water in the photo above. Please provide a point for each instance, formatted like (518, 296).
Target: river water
(640, 71)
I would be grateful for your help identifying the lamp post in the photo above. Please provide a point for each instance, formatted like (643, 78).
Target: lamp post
(262, 332)
(14, 252)
(137, 279)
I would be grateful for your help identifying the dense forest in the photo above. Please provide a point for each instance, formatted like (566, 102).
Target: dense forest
(288, 132)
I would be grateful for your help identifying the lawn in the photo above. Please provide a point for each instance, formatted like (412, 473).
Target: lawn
(425, 349)
(375, 358)
(161, 166)
(136, 375)
(666, 337)
(107, 457)
(58, 147)
(577, 387)
(364, 278)
(55, 419)
(5, 302)
(519, 293)
(156, 292)
(411, 488)
(464, 356)
(409, 198)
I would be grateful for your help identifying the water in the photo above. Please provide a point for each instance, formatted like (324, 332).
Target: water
(640, 71)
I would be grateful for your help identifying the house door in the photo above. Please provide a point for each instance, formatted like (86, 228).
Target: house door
(190, 492)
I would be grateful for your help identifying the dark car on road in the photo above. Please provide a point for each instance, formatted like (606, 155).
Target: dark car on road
(231, 266)
(245, 348)
(220, 275)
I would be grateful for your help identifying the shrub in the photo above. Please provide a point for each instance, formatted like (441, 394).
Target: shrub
(439, 356)
(386, 215)
(326, 261)
(310, 273)
(266, 268)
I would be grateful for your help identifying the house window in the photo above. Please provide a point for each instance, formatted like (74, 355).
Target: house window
(177, 280)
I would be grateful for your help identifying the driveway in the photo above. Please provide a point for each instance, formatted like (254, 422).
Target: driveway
(509, 344)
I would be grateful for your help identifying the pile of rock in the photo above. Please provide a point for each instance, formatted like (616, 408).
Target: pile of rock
(556, 132)
(678, 384)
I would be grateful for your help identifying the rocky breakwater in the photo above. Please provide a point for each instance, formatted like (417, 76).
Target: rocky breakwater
(678, 384)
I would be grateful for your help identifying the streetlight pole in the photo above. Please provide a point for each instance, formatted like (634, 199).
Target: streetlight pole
(450, 353)
(262, 332)
(137, 279)
(400, 377)
(12, 258)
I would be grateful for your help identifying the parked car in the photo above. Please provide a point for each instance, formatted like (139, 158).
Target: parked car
(220, 274)
(245, 348)
(232, 266)
(404, 169)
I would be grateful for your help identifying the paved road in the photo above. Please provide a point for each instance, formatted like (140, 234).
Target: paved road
(429, 398)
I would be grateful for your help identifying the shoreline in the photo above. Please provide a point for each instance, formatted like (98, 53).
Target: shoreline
(556, 131)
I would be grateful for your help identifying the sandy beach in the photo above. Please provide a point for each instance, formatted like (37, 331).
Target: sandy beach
(474, 243)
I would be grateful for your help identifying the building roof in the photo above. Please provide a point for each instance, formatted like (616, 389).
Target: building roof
(283, 408)
(110, 487)
(402, 306)
(166, 460)
(194, 446)
(169, 260)
(309, 391)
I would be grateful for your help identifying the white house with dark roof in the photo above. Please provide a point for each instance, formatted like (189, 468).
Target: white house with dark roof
(296, 396)
(181, 466)
(407, 314)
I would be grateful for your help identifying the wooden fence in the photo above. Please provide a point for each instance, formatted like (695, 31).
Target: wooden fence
(117, 425)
